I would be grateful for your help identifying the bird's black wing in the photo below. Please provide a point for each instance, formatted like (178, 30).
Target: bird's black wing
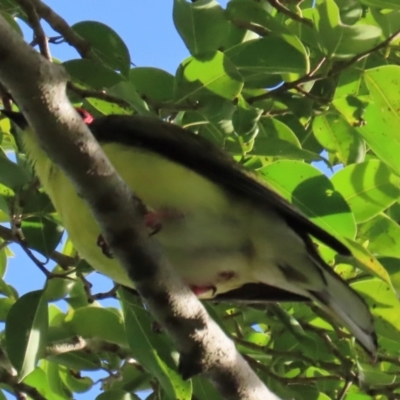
(198, 154)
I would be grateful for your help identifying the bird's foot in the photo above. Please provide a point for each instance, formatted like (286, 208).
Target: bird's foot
(105, 248)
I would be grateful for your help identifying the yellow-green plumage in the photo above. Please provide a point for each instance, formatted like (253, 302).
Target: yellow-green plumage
(229, 229)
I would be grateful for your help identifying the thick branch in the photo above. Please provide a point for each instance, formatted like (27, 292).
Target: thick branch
(64, 137)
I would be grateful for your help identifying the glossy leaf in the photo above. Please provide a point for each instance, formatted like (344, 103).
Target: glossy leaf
(313, 193)
(11, 174)
(368, 187)
(90, 322)
(92, 74)
(42, 234)
(151, 353)
(338, 137)
(106, 43)
(116, 394)
(382, 115)
(215, 73)
(26, 337)
(383, 236)
(259, 59)
(152, 83)
(201, 25)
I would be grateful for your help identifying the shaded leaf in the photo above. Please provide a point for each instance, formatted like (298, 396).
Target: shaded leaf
(26, 337)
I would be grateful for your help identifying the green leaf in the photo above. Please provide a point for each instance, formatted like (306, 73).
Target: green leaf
(152, 83)
(92, 74)
(12, 175)
(201, 24)
(368, 187)
(245, 118)
(39, 380)
(382, 115)
(148, 349)
(126, 91)
(51, 370)
(204, 390)
(26, 332)
(382, 3)
(216, 74)
(92, 322)
(366, 261)
(11, 21)
(117, 394)
(5, 305)
(339, 138)
(106, 43)
(342, 41)
(58, 288)
(278, 148)
(383, 235)
(259, 60)
(313, 193)
(42, 234)
(75, 383)
(386, 308)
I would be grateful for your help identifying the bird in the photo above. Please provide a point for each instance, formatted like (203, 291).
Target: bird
(226, 233)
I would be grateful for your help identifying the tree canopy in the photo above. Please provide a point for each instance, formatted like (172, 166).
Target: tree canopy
(305, 95)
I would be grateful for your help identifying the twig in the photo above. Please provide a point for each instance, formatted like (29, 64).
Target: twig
(310, 77)
(59, 24)
(112, 293)
(345, 389)
(39, 36)
(281, 8)
(20, 387)
(102, 95)
(62, 260)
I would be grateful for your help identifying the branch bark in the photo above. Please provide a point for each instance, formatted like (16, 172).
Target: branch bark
(39, 88)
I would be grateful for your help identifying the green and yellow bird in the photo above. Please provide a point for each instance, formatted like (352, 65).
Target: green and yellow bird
(227, 234)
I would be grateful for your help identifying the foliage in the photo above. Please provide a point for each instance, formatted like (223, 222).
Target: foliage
(336, 100)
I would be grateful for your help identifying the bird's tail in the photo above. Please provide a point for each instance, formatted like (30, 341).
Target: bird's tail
(344, 304)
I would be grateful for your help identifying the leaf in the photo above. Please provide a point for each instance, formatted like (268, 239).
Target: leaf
(382, 115)
(381, 3)
(75, 383)
(201, 25)
(386, 309)
(39, 380)
(42, 234)
(92, 74)
(26, 331)
(313, 193)
(339, 40)
(383, 236)
(116, 394)
(96, 322)
(126, 91)
(216, 74)
(366, 261)
(151, 352)
(368, 188)
(152, 83)
(106, 43)
(338, 137)
(11, 21)
(12, 175)
(258, 60)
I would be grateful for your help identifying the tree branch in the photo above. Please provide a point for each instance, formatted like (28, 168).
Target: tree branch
(62, 134)
(61, 26)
